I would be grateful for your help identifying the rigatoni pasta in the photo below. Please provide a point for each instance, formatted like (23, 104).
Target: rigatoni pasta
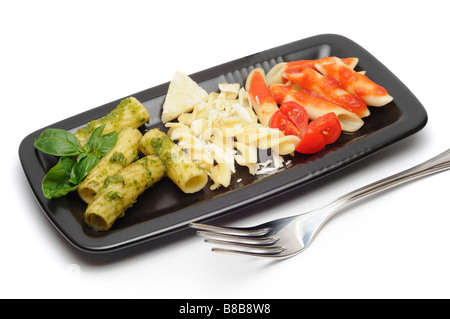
(129, 113)
(123, 154)
(120, 191)
(184, 172)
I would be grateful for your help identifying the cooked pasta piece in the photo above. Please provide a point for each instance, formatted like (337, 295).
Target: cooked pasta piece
(123, 154)
(328, 87)
(260, 96)
(268, 138)
(192, 144)
(275, 74)
(355, 82)
(247, 155)
(317, 106)
(186, 174)
(120, 191)
(221, 175)
(129, 113)
(229, 90)
(223, 131)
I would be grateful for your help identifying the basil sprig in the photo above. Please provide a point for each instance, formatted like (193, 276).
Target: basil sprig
(76, 161)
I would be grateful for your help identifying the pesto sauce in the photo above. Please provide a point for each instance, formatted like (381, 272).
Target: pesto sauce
(115, 179)
(110, 196)
(112, 118)
(118, 158)
(162, 147)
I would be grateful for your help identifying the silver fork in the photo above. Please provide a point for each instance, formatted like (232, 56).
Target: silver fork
(286, 237)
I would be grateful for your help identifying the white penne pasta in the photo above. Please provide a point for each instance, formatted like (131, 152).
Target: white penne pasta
(221, 175)
(267, 138)
(222, 149)
(224, 130)
(274, 139)
(274, 76)
(246, 153)
(230, 90)
(123, 154)
(286, 145)
(249, 135)
(120, 191)
(186, 174)
(129, 113)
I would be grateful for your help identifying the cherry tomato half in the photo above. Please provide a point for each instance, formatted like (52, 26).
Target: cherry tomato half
(292, 119)
(311, 142)
(328, 126)
(296, 114)
(282, 122)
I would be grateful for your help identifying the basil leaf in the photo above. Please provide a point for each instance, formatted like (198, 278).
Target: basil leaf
(82, 167)
(56, 182)
(99, 144)
(65, 176)
(93, 138)
(58, 142)
(105, 144)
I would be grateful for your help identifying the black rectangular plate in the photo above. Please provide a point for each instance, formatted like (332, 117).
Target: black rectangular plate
(164, 208)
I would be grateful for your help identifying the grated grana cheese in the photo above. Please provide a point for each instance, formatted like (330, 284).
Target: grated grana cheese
(222, 130)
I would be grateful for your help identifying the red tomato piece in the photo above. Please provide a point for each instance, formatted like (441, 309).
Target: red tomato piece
(292, 119)
(311, 142)
(282, 122)
(328, 126)
(296, 114)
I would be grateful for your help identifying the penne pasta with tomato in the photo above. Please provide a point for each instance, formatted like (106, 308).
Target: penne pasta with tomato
(275, 75)
(316, 106)
(329, 87)
(260, 96)
(354, 82)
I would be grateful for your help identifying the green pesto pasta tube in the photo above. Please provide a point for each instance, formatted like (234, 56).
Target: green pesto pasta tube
(120, 191)
(129, 113)
(123, 154)
(184, 172)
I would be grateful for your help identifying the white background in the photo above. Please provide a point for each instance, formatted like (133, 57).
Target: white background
(60, 58)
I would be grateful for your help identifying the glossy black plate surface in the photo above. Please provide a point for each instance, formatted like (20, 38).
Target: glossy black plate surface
(164, 208)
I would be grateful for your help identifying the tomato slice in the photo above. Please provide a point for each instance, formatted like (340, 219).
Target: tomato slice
(296, 114)
(324, 130)
(292, 119)
(328, 126)
(311, 142)
(282, 122)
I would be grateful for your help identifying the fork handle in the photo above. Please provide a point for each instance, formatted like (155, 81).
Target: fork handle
(434, 165)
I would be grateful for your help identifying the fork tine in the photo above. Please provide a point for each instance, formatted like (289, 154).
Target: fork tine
(250, 248)
(230, 230)
(240, 252)
(238, 239)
